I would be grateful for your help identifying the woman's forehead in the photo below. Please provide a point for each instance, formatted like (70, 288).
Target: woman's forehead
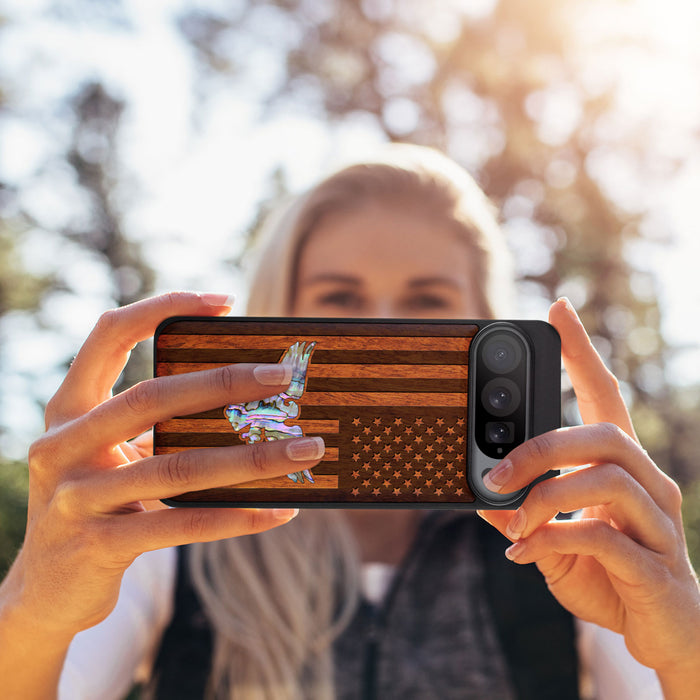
(384, 236)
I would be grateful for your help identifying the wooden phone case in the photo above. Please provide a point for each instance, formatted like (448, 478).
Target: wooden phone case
(388, 397)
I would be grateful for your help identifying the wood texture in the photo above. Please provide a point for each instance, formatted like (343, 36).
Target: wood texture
(389, 399)
(228, 356)
(361, 371)
(221, 425)
(244, 342)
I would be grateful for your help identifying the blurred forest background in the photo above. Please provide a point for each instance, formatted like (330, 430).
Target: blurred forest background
(580, 119)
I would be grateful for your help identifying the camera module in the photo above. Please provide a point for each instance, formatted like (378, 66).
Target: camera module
(505, 358)
(499, 380)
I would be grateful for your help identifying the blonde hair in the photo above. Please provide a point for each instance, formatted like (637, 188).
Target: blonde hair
(277, 600)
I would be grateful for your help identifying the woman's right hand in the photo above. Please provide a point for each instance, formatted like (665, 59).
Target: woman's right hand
(86, 517)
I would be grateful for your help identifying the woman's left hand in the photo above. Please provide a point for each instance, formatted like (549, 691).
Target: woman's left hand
(624, 564)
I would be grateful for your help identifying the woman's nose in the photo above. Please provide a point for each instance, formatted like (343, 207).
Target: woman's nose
(383, 308)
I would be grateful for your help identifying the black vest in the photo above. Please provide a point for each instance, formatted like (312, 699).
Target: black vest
(396, 652)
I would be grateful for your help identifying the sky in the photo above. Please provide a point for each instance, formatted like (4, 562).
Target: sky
(186, 184)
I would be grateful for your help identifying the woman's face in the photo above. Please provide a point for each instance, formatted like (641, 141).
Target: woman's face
(385, 261)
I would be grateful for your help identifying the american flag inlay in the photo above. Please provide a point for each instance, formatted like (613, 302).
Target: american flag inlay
(389, 401)
(421, 457)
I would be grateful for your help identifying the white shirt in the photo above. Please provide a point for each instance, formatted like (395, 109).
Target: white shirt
(104, 661)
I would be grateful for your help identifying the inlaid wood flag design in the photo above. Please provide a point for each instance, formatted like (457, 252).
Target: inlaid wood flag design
(388, 398)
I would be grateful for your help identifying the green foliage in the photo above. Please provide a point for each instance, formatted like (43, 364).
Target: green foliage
(94, 157)
(691, 521)
(18, 289)
(14, 484)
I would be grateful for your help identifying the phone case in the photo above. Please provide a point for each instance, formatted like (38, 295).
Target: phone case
(389, 398)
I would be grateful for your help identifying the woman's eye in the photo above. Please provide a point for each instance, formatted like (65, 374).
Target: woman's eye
(341, 299)
(426, 302)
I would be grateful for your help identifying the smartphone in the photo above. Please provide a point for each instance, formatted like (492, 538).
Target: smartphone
(413, 413)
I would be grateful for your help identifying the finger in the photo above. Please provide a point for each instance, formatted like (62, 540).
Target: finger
(165, 476)
(142, 532)
(143, 444)
(131, 452)
(138, 448)
(615, 551)
(596, 388)
(105, 352)
(583, 444)
(149, 402)
(608, 486)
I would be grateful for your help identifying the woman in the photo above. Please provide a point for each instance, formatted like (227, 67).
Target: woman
(412, 236)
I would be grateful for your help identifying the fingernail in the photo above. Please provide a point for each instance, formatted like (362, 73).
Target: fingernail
(285, 514)
(569, 306)
(515, 550)
(499, 476)
(218, 299)
(305, 449)
(274, 375)
(516, 525)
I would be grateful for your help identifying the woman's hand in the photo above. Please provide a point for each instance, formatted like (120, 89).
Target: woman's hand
(86, 518)
(624, 564)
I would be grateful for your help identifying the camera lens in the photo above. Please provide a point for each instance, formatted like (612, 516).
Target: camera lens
(500, 396)
(499, 432)
(502, 353)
